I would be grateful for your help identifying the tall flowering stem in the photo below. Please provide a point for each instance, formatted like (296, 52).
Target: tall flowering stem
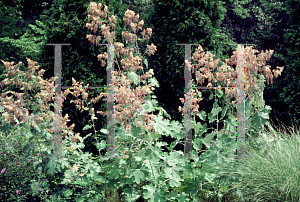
(123, 93)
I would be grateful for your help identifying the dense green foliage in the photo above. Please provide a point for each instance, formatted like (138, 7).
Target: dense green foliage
(291, 91)
(10, 19)
(265, 27)
(147, 171)
(155, 173)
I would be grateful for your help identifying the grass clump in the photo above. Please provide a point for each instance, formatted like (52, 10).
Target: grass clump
(273, 173)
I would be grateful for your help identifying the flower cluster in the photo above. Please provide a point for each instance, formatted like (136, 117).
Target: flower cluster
(124, 96)
(226, 74)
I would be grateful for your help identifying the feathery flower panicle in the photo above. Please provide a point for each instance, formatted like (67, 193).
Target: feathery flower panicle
(227, 74)
(123, 94)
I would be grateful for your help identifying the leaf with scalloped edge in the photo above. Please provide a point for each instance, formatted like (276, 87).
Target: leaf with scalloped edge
(131, 195)
(153, 82)
(165, 127)
(133, 77)
(154, 195)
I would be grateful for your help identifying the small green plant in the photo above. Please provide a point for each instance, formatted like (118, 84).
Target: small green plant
(17, 169)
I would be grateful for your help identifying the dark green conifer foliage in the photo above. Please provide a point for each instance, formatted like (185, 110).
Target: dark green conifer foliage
(265, 27)
(291, 92)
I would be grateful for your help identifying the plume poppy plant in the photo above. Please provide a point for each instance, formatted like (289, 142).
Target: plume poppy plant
(131, 63)
(36, 120)
(135, 62)
(123, 94)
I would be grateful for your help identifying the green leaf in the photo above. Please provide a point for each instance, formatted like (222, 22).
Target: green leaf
(133, 77)
(53, 166)
(37, 128)
(264, 115)
(86, 136)
(200, 129)
(28, 148)
(212, 117)
(171, 159)
(173, 175)
(208, 138)
(152, 195)
(131, 195)
(193, 186)
(115, 172)
(215, 111)
(148, 106)
(223, 112)
(153, 82)
(163, 112)
(146, 63)
(211, 177)
(80, 182)
(68, 192)
(28, 134)
(47, 134)
(164, 126)
(139, 176)
(86, 127)
(1, 109)
(202, 115)
(105, 131)
(219, 93)
(39, 100)
(197, 144)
